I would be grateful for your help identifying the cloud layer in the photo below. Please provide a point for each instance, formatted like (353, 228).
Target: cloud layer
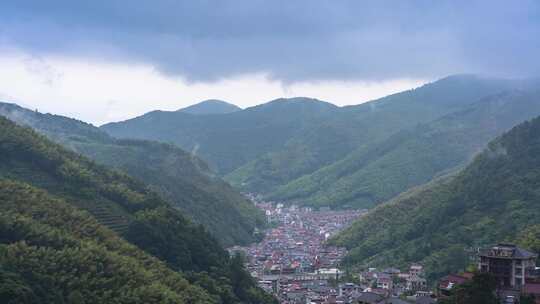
(291, 41)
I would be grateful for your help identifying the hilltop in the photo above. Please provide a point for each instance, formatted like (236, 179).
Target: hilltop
(229, 140)
(211, 106)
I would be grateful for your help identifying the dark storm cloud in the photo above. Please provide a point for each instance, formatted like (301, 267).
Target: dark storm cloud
(290, 40)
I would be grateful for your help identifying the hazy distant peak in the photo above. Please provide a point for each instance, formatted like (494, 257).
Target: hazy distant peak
(297, 101)
(211, 106)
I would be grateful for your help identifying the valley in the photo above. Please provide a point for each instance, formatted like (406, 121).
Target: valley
(295, 251)
(269, 152)
(435, 175)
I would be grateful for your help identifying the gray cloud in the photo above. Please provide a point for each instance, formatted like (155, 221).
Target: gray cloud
(289, 40)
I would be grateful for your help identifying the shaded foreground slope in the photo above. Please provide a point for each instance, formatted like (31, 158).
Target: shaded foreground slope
(52, 252)
(116, 201)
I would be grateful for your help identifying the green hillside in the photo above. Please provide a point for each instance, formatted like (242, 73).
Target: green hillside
(228, 141)
(379, 171)
(52, 252)
(116, 201)
(495, 198)
(358, 127)
(211, 106)
(183, 179)
(263, 148)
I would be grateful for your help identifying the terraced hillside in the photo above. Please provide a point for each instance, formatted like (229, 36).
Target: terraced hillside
(42, 236)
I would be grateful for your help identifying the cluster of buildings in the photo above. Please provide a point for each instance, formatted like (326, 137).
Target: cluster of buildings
(293, 263)
(297, 243)
(393, 282)
(369, 287)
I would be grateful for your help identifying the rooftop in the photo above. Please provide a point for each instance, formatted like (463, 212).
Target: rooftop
(508, 251)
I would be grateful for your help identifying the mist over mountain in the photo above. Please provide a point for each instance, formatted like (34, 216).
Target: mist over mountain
(314, 153)
(269, 152)
(402, 155)
(229, 140)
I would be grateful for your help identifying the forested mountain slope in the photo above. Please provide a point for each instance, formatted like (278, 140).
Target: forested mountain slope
(496, 198)
(228, 141)
(59, 178)
(262, 148)
(356, 127)
(379, 171)
(183, 179)
(52, 252)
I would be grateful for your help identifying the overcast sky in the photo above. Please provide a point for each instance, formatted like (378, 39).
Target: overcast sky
(109, 60)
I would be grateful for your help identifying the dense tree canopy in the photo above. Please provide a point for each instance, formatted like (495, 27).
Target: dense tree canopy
(179, 177)
(496, 198)
(63, 215)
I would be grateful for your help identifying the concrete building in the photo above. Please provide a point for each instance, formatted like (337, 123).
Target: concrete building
(508, 263)
(384, 281)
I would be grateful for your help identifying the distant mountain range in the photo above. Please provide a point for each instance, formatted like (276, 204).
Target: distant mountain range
(378, 171)
(181, 178)
(211, 106)
(230, 140)
(494, 199)
(315, 153)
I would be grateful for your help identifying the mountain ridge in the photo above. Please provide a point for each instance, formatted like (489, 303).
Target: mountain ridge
(46, 187)
(493, 199)
(180, 177)
(228, 140)
(331, 140)
(410, 153)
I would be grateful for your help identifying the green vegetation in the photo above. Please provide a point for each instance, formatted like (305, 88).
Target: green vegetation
(228, 141)
(74, 258)
(377, 172)
(211, 106)
(314, 153)
(496, 198)
(306, 158)
(52, 252)
(479, 290)
(179, 177)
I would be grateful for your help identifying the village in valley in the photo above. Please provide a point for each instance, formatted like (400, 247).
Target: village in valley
(294, 263)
